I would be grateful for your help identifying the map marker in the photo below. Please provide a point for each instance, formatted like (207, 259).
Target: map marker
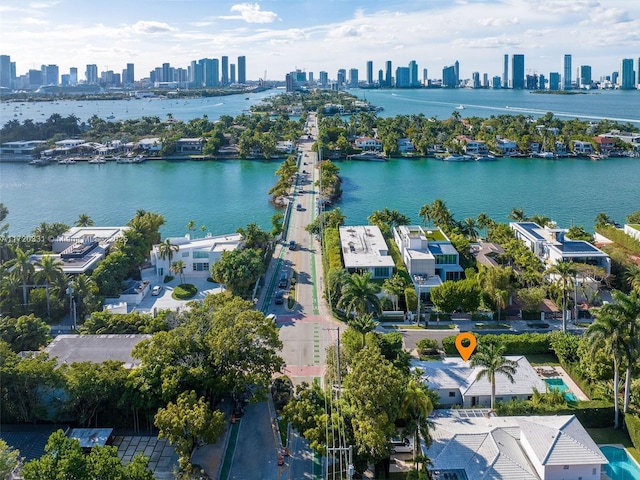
(465, 352)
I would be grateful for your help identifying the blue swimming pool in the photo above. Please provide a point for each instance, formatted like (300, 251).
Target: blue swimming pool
(621, 466)
(558, 384)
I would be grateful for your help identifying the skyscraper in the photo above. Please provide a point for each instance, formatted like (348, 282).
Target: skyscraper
(369, 72)
(225, 71)
(5, 71)
(324, 79)
(449, 77)
(91, 74)
(456, 69)
(626, 79)
(403, 77)
(73, 76)
(166, 73)
(476, 79)
(413, 74)
(517, 71)
(131, 78)
(242, 69)
(50, 74)
(208, 75)
(425, 77)
(585, 76)
(505, 72)
(232, 73)
(554, 81)
(341, 79)
(566, 76)
(388, 79)
(353, 77)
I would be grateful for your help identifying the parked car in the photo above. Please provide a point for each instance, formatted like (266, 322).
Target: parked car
(299, 207)
(401, 445)
(157, 290)
(278, 299)
(292, 245)
(282, 283)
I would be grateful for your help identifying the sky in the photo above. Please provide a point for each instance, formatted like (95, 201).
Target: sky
(278, 36)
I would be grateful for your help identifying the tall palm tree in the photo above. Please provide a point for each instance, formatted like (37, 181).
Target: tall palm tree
(358, 292)
(602, 219)
(490, 358)
(541, 220)
(517, 214)
(84, 220)
(416, 407)
(566, 272)
(425, 214)
(178, 267)
(84, 287)
(484, 222)
(500, 297)
(363, 324)
(166, 250)
(191, 225)
(50, 269)
(440, 213)
(632, 275)
(469, 228)
(23, 269)
(608, 330)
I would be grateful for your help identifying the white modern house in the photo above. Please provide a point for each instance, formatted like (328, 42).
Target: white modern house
(456, 383)
(506, 146)
(198, 254)
(429, 256)
(368, 143)
(486, 447)
(20, 150)
(551, 245)
(405, 145)
(150, 145)
(364, 249)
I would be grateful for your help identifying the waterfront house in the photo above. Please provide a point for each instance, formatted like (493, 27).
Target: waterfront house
(605, 144)
(627, 137)
(535, 147)
(582, 148)
(551, 245)
(364, 249)
(197, 254)
(475, 147)
(189, 146)
(285, 146)
(20, 151)
(506, 146)
(429, 256)
(150, 145)
(405, 145)
(561, 148)
(456, 384)
(480, 446)
(368, 143)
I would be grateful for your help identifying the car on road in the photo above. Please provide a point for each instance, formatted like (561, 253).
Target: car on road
(157, 290)
(299, 207)
(278, 299)
(282, 283)
(401, 445)
(292, 245)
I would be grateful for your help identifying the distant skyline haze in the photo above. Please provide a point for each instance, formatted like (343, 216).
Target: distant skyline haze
(278, 36)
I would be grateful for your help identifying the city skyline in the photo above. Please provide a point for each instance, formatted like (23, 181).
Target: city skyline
(279, 36)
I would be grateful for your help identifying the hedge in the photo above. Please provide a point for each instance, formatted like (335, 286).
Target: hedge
(619, 237)
(632, 423)
(184, 291)
(333, 250)
(592, 414)
(523, 344)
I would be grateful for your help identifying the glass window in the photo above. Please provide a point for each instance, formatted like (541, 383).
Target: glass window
(185, 254)
(452, 394)
(200, 254)
(381, 272)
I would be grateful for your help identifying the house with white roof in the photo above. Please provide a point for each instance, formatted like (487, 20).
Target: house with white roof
(150, 144)
(285, 146)
(506, 146)
(364, 249)
(368, 143)
(405, 145)
(486, 447)
(551, 245)
(456, 383)
(582, 148)
(197, 254)
(429, 256)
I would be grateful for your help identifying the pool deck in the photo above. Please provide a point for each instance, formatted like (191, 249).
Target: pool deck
(559, 372)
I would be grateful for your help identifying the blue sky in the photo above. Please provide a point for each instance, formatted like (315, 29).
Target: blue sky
(278, 36)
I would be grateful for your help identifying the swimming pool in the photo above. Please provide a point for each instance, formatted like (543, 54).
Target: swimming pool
(558, 384)
(621, 466)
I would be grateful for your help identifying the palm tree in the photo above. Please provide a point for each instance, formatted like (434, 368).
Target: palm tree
(363, 324)
(608, 329)
(178, 267)
(541, 220)
(501, 297)
(166, 249)
(469, 228)
(191, 225)
(602, 219)
(566, 271)
(517, 214)
(632, 275)
(416, 407)
(425, 213)
(490, 358)
(50, 269)
(84, 220)
(358, 292)
(23, 269)
(484, 222)
(84, 288)
(440, 213)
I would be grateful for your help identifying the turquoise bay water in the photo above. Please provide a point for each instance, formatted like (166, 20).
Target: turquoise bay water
(621, 466)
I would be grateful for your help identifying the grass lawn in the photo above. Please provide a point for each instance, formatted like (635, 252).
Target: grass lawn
(492, 326)
(436, 326)
(543, 359)
(610, 435)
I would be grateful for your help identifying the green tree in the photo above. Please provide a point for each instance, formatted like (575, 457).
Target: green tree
(26, 333)
(634, 217)
(388, 218)
(632, 276)
(359, 293)
(254, 237)
(9, 458)
(565, 272)
(86, 293)
(238, 270)
(446, 297)
(602, 220)
(484, 222)
(276, 223)
(191, 225)
(24, 270)
(416, 407)
(4, 227)
(49, 270)
(84, 220)
(306, 412)
(187, 424)
(395, 286)
(327, 219)
(363, 324)
(531, 298)
(178, 267)
(166, 250)
(517, 215)
(491, 360)
(577, 232)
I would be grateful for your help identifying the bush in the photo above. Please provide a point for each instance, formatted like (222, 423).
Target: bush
(524, 344)
(168, 278)
(632, 423)
(184, 291)
(427, 347)
(619, 237)
(592, 414)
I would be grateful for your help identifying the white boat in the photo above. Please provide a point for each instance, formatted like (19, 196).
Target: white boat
(139, 159)
(548, 155)
(458, 158)
(39, 162)
(368, 156)
(460, 107)
(97, 160)
(485, 158)
(66, 161)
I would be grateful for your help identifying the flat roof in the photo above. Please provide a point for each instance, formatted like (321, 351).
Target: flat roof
(530, 228)
(95, 348)
(363, 246)
(578, 246)
(91, 437)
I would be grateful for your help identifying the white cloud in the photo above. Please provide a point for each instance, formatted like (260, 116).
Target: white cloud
(151, 27)
(498, 22)
(39, 5)
(251, 13)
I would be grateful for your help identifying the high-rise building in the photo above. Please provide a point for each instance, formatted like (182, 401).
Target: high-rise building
(638, 71)
(614, 78)
(403, 77)
(517, 71)
(310, 77)
(388, 78)
(353, 78)
(475, 78)
(449, 77)
(585, 76)
(166, 73)
(495, 82)
(73, 76)
(5, 71)
(542, 82)
(324, 79)
(370, 72)
(485, 80)
(566, 75)
(209, 73)
(626, 80)
(64, 79)
(225, 71)
(50, 74)
(380, 77)
(242, 69)
(232, 73)
(91, 74)
(425, 77)
(413, 74)
(531, 82)
(131, 78)
(456, 69)
(341, 78)
(35, 78)
(505, 72)
(554, 81)
(289, 82)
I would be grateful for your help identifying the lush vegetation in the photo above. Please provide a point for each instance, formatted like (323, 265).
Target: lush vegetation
(184, 291)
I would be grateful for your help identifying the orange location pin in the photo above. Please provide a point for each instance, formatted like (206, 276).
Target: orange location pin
(465, 352)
